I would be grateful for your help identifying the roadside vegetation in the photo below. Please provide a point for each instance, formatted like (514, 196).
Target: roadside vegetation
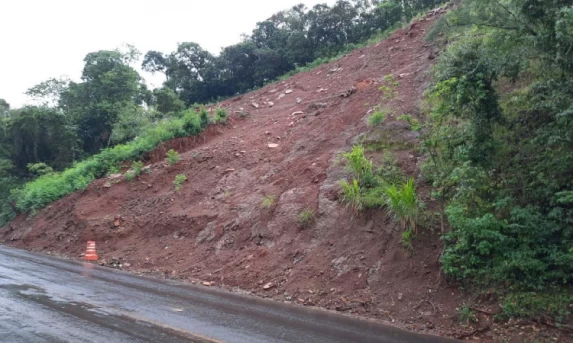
(500, 148)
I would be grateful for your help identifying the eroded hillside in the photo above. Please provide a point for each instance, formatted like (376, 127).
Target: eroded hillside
(236, 223)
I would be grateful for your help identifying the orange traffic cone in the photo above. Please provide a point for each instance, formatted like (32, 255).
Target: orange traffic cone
(91, 254)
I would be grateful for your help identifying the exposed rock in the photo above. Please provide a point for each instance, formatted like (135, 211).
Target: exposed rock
(348, 92)
(207, 234)
(316, 106)
(288, 91)
(297, 113)
(255, 105)
(273, 145)
(269, 285)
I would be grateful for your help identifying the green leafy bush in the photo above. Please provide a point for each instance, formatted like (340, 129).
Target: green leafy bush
(414, 123)
(173, 157)
(501, 151)
(377, 118)
(178, 182)
(221, 115)
(39, 169)
(204, 117)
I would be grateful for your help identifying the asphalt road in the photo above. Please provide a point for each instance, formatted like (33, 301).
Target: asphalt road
(47, 299)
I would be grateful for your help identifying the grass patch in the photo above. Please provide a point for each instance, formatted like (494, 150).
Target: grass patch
(268, 201)
(377, 118)
(306, 217)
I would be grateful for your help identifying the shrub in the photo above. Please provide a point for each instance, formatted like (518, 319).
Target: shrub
(178, 182)
(306, 217)
(402, 203)
(414, 123)
(467, 316)
(407, 238)
(204, 116)
(268, 201)
(39, 169)
(389, 87)
(173, 157)
(221, 115)
(191, 123)
(377, 117)
(136, 169)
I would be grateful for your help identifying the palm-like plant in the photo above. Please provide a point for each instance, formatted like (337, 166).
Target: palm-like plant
(403, 204)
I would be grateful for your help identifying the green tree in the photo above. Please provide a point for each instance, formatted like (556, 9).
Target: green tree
(40, 134)
(109, 85)
(167, 101)
(48, 93)
(4, 109)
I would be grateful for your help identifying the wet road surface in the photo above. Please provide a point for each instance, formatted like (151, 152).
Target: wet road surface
(47, 299)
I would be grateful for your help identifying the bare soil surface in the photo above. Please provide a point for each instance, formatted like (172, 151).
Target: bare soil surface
(283, 142)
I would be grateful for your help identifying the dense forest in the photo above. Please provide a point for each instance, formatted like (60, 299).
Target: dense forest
(500, 150)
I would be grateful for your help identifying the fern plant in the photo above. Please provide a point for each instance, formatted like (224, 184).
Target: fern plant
(352, 194)
(360, 165)
(403, 204)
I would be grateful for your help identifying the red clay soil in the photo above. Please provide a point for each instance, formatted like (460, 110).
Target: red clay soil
(217, 232)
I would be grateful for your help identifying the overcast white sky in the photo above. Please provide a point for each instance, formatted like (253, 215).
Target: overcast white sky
(50, 38)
